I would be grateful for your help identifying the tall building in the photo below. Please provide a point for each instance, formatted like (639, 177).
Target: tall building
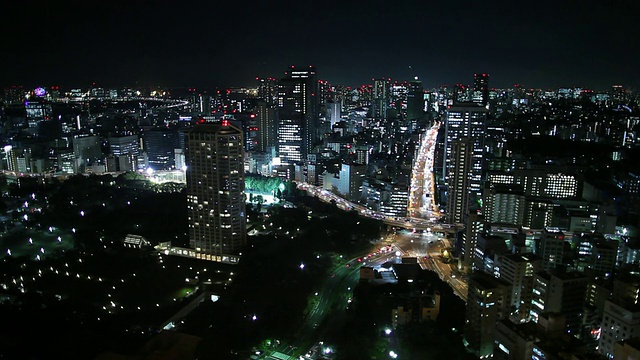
(348, 183)
(126, 150)
(466, 120)
(560, 292)
(215, 191)
(87, 150)
(474, 229)
(415, 100)
(487, 303)
(297, 109)
(518, 270)
(267, 126)
(160, 145)
(459, 174)
(380, 99)
(551, 249)
(481, 89)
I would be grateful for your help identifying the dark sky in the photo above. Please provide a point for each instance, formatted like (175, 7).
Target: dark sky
(218, 43)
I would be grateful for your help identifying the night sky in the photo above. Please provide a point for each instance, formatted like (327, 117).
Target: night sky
(219, 43)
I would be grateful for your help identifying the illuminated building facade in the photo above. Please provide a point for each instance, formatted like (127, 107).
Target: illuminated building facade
(215, 191)
(466, 120)
(297, 109)
(560, 292)
(551, 248)
(480, 89)
(459, 174)
(518, 270)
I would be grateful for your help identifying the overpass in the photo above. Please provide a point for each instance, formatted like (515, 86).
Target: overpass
(410, 223)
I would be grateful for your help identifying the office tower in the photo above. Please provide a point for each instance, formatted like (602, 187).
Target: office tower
(459, 94)
(160, 145)
(481, 89)
(380, 99)
(267, 90)
(348, 182)
(560, 292)
(596, 254)
(518, 270)
(487, 303)
(215, 191)
(466, 120)
(475, 227)
(538, 214)
(333, 112)
(551, 249)
(503, 204)
(396, 200)
(488, 247)
(126, 149)
(201, 103)
(415, 100)
(267, 128)
(87, 150)
(37, 110)
(459, 180)
(297, 109)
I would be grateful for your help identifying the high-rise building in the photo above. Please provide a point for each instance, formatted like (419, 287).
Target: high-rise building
(37, 110)
(560, 292)
(459, 175)
(297, 109)
(474, 229)
(518, 270)
(466, 120)
(487, 303)
(87, 151)
(380, 99)
(215, 191)
(551, 249)
(126, 150)
(415, 100)
(481, 89)
(267, 126)
(160, 145)
(348, 183)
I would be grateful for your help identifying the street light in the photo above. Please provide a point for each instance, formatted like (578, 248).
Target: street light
(393, 354)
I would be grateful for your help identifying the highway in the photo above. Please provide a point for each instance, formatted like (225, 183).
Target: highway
(421, 199)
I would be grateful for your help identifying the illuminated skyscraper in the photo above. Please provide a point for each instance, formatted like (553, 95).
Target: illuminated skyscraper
(466, 120)
(459, 176)
(380, 99)
(481, 89)
(297, 108)
(215, 191)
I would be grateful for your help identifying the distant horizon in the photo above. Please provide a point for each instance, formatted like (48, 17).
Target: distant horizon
(254, 83)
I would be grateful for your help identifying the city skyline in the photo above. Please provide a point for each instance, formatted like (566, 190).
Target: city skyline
(205, 45)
